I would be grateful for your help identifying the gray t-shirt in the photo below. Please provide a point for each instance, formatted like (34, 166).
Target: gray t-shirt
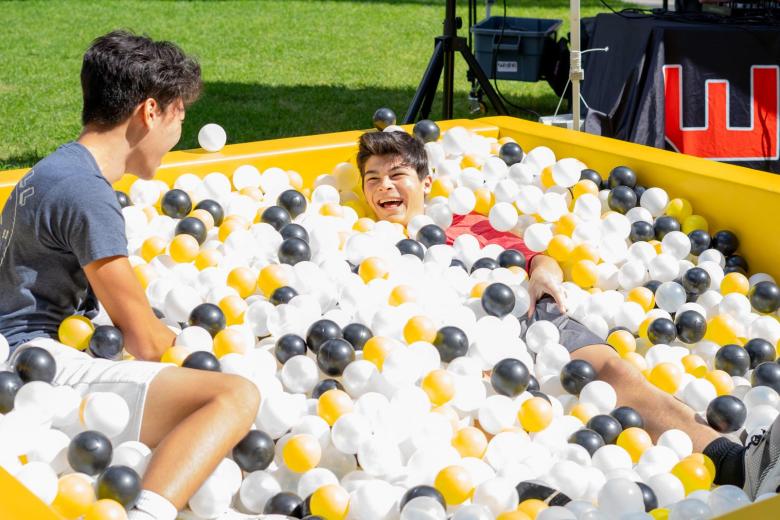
(60, 217)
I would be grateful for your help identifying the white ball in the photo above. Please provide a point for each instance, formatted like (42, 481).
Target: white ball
(664, 268)
(677, 244)
(349, 432)
(619, 497)
(180, 301)
(133, 454)
(256, 489)
(497, 494)
(105, 412)
(678, 441)
(655, 201)
(462, 200)
(566, 172)
(4, 349)
(300, 374)
(195, 338)
(528, 199)
(668, 489)
(503, 216)
(537, 237)
(670, 296)
(212, 137)
(40, 479)
(600, 394)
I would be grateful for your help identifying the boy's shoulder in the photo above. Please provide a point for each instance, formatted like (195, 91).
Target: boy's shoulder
(70, 172)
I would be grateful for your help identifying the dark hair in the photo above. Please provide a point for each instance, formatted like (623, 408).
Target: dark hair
(399, 144)
(121, 70)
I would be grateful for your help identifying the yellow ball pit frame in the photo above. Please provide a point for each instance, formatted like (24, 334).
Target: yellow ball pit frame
(730, 197)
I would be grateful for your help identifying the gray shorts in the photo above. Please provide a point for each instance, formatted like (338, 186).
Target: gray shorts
(574, 335)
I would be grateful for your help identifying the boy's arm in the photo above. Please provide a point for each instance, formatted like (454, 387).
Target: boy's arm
(546, 278)
(123, 298)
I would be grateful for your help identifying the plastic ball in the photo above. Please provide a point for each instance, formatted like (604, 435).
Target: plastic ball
(288, 346)
(455, 484)
(732, 359)
(621, 199)
(419, 328)
(588, 439)
(104, 412)
(498, 300)
(106, 509)
(693, 475)
(119, 483)
(605, 425)
(10, 383)
(635, 441)
(451, 342)
(89, 452)
(666, 376)
(35, 364)
(254, 452)
(334, 355)
(439, 385)
(426, 130)
(383, 117)
(431, 235)
(670, 296)
(193, 227)
(503, 216)
(726, 414)
(620, 496)
(202, 360)
(760, 350)
(285, 504)
(511, 153)
(421, 491)
(301, 453)
(357, 334)
(661, 330)
(330, 501)
(75, 495)
(214, 208)
(276, 216)
(622, 176)
(75, 331)
(321, 331)
(294, 250)
(726, 242)
(333, 404)
(576, 374)
(628, 417)
(470, 442)
(764, 296)
(176, 203)
(691, 327)
(648, 496)
(767, 374)
(535, 414)
(212, 137)
(209, 317)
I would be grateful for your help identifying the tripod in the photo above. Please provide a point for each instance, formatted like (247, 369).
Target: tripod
(444, 58)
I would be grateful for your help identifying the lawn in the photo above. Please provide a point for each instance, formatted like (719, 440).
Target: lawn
(272, 68)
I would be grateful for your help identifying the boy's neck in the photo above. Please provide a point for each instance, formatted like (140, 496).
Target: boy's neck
(109, 148)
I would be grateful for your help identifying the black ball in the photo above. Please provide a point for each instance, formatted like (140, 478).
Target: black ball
(357, 334)
(511, 153)
(732, 359)
(726, 242)
(106, 342)
(209, 317)
(431, 235)
(10, 383)
(89, 452)
(294, 250)
(726, 413)
(426, 130)
(276, 216)
(627, 417)
(451, 342)
(407, 246)
(734, 269)
(123, 199)
(696, 280)
(591, 175)
(119, 483)
(334, 355)
(193, 227)
(691, 326)
(760, 351)
(320, 332)
(293, 201)
(639, 190)
(421, 491)
(622, 176)
(176, 203)
(510, 257)
(510, 377)
(325, 385)
(641, 231)
(765, 297)
(576, 374)
(533, 384)
(621, 199)
(700, 241)
(532, 489)
(484, 263)
(498, 299)
(213, 207)
(284, 503)
(737, 261)
(288, 346)
(664, 225)
(457, 263)
(652, 285)
(383, 117)
(767, 374)
(293, 230)
(282, 295)
(661, 330)
(202, 360)
(35, 364)
(648, 496)
(605, 425)
(588, 439)
(254, 452)
(538, 393)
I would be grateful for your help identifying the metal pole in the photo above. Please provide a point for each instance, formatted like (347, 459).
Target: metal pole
(576, 74)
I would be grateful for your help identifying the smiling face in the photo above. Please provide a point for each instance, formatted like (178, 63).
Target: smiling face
(393, 189)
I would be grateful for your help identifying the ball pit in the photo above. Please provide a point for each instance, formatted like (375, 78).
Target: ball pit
(415, 408)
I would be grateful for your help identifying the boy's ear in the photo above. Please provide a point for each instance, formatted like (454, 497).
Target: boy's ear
(149, 112)
(427, 182)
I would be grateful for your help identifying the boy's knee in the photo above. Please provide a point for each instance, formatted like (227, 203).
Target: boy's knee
(241, 395)
(621, 374)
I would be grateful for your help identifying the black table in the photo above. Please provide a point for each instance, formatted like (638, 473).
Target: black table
(706, 89)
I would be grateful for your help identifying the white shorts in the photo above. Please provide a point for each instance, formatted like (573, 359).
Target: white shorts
(128, 379)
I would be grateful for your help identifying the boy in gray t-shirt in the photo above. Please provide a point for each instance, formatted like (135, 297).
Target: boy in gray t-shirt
(62, 243)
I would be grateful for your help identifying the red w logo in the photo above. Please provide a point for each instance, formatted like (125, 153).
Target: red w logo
(717, 139)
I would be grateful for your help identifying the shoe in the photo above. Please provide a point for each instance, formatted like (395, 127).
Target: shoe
(762, 471)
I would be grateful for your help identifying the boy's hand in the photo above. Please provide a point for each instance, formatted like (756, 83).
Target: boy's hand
(123, 298)
(546, 278)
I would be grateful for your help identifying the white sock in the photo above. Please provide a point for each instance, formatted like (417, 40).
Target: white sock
(151, 506)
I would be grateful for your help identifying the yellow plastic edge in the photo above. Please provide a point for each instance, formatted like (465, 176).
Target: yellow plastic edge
(18, 503)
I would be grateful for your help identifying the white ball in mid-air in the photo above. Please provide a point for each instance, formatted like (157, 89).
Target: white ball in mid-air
(212, 137)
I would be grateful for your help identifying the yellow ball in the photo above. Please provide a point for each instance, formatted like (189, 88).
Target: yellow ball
(228, 226)
(233, 307)
(546, 177)
(701, 458)
(301, 453)
(76, 331)
(205, 217)
(693, 223)
(420, 328)
(253, 193)
(373, 267)
(622, 341)
(145, 274)
(666, 376)
(363, 225)
(635, 441)
(333, 404)
(584, 273)
(680, 209)
(207, 258)
(485, 201)
(331, 502)
(721, 381)
(152, 247)
(694, 365)
(734, 283)
(583, 187)
(271, 278)
(478, 289)
(693, 475)
(106, 509)
(636, 360)
(535, 414)
(643, 296)
(585, 251)
(470, 161)
(151, 213)
(75, 495)
(441, 187)
(439, 385)
(331, 209)
(532, 507)
(376, 349)
(660, 513)
(402, 294)
(513, 515)
(722, 329)
(470, 442)
(184, 248)
(455, 484)
(584, 411)
(243, 280)
(565, 225)
(229, 341)
(175, 355)
(560, 247)
(296, 181)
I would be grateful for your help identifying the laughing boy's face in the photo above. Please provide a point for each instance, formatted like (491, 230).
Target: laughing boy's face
(393, 189)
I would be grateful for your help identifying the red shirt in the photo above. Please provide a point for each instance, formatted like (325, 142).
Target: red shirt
(479, 226)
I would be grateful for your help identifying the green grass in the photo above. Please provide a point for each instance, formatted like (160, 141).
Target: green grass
(271, 68)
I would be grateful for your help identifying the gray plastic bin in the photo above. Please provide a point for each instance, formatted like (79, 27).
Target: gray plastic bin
(516, 53)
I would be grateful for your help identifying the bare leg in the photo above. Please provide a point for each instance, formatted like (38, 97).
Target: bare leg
(660, 411)
(193, 418)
